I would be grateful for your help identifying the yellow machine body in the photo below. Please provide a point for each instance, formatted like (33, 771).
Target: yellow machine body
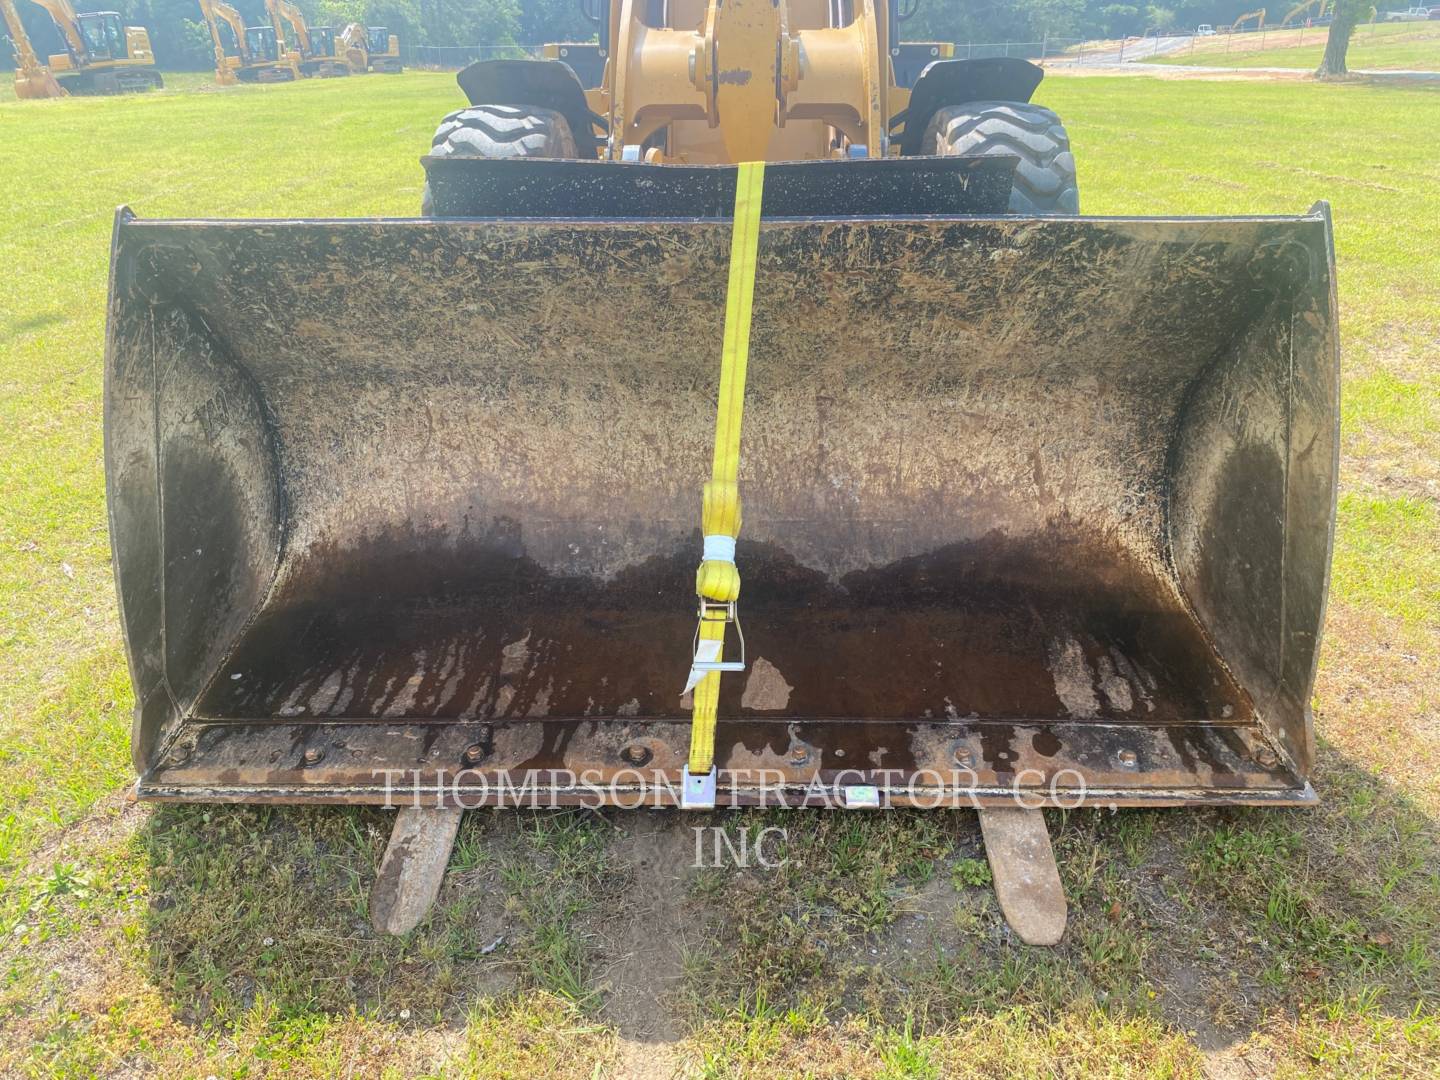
(33, 80)
(102, 56)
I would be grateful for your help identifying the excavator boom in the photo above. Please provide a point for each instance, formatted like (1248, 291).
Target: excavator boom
(313, 61)
(67, 21)
(33, 79)
(216, 14)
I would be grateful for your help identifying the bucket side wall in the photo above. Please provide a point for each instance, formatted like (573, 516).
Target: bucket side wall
(1256, 473)
(195, 498)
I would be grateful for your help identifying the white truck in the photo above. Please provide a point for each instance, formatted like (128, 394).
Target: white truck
(1414, 14)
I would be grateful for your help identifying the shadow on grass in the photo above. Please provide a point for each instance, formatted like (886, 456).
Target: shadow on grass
(1205, 920)
(35, 322)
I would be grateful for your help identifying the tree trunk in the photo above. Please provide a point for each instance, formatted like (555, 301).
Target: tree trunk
(1332, 64)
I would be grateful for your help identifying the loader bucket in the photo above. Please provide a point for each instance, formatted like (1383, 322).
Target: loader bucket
(410, 509)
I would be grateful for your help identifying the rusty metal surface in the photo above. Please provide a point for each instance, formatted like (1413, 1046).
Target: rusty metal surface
(1066, 473)
(618, 761)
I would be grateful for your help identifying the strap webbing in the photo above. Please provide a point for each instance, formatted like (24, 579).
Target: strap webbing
(718, 580)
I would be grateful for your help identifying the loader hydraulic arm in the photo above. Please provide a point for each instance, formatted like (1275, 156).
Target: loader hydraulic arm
(747, 67)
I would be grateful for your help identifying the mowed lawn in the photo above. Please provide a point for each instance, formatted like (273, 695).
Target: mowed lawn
(1411, 46)
(234, 941)
(181, 82)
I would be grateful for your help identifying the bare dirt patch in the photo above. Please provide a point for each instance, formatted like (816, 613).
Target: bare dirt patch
(647, 936)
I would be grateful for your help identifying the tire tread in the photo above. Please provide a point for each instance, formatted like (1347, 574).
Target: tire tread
(1045, 182)
(500, 132)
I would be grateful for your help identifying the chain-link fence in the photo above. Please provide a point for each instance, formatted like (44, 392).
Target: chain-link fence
(455, 57)
(1047, 50)
(1208, 49)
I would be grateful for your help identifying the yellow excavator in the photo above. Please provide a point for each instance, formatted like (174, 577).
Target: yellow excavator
(1257, 17)
(102, 56)
(260, 54)
(33, 80)
(320, 53)
(445, 513)
(371, 48)
(1304, 10)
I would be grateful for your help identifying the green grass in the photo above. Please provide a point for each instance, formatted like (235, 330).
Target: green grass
(175, 82)
(234, 941)
(1392, 561)
(317, 148)
(1375, 47)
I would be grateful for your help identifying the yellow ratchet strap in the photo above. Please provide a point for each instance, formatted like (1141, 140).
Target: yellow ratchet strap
(717, 582)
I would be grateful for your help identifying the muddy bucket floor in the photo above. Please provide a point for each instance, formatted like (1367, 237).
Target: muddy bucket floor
(936, 681)
(961, 634)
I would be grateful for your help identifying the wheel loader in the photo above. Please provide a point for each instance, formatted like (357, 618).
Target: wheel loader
(446, 512)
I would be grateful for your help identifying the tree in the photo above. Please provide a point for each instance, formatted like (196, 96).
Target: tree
(554, 20)
(993, 20)
(178, 33)
(1119, 20)
(1158, 18)
(400, 17)
(1348, 14)
(337, 13)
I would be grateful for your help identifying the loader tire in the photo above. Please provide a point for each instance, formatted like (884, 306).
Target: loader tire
(1044, 179)
(500, 131)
